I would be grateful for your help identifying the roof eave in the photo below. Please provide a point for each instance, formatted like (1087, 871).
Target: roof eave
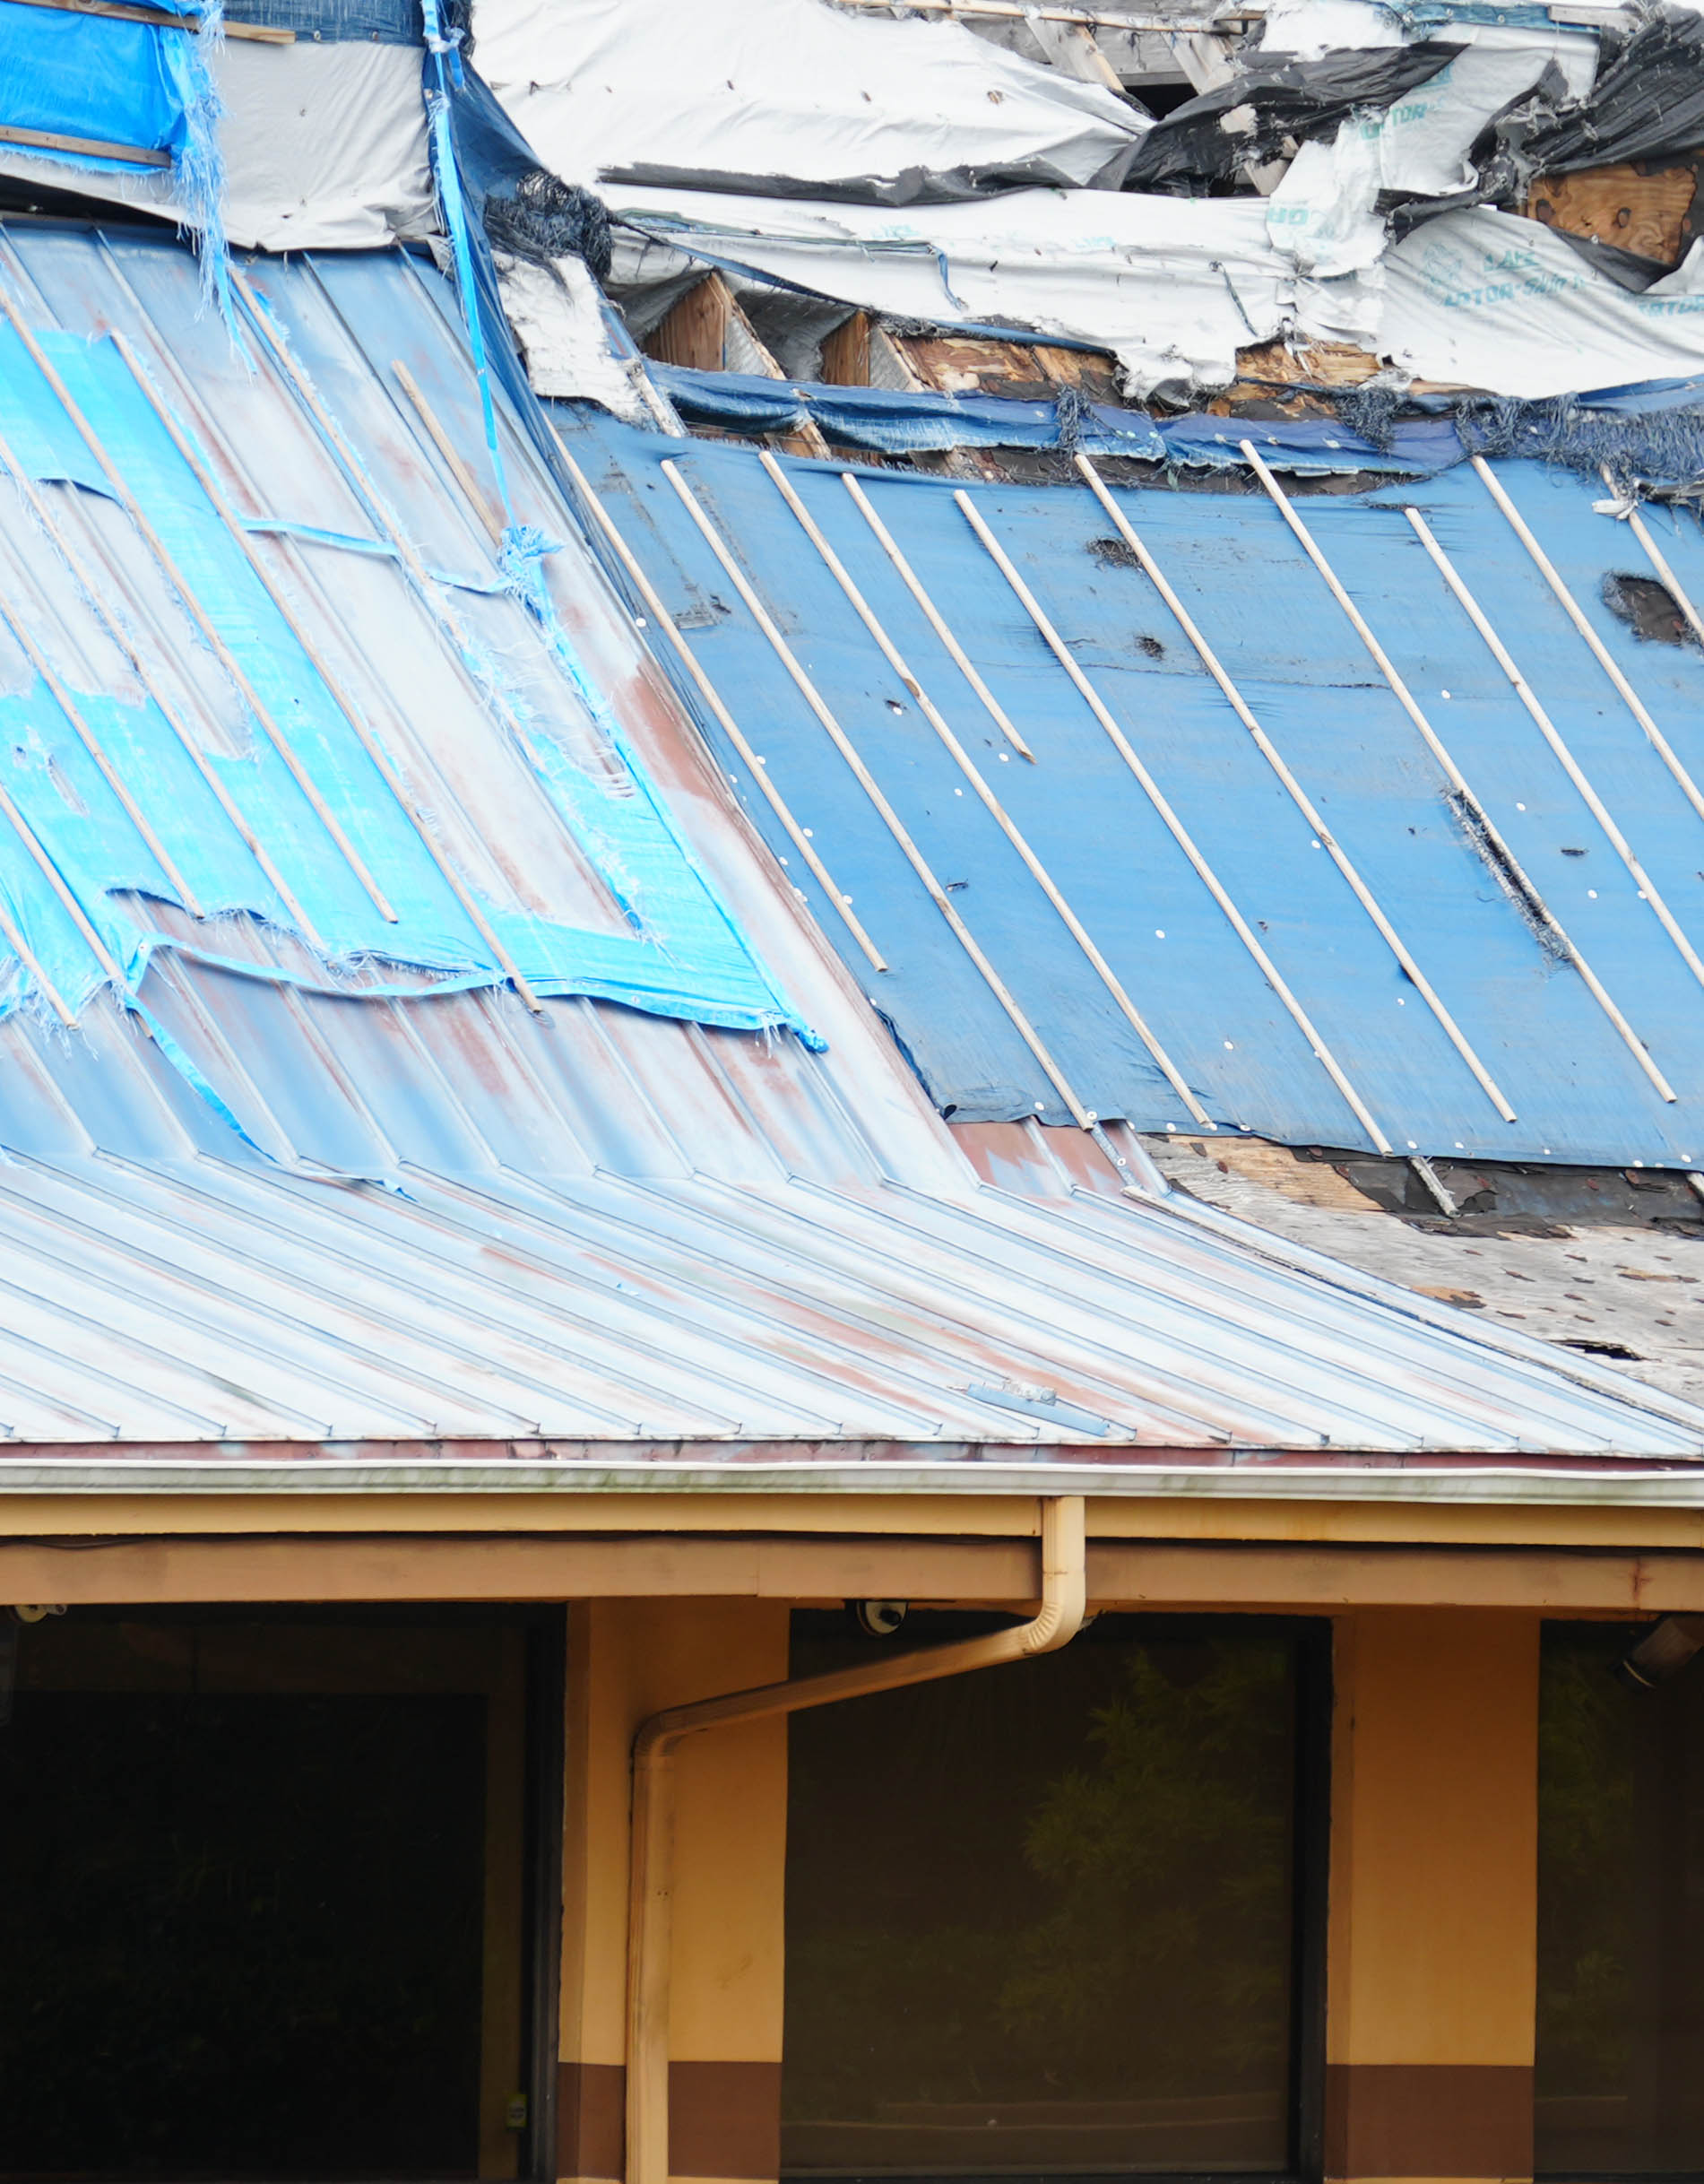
(862, 1469)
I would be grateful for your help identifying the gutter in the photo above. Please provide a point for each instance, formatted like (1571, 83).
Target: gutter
(1662, 1479)
(651, 1876)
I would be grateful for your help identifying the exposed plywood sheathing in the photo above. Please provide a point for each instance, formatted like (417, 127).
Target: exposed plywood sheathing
(1608, 1288)
(1643, 209)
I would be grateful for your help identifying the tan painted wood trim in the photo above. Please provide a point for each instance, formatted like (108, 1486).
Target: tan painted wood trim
(531, 1568)
(671, 1516)
(1248, 1576)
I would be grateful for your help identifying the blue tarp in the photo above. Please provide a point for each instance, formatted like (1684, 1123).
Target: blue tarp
(1578, 1091)
(93, 77)
(137, 88)
(893, 422)
(683, 955)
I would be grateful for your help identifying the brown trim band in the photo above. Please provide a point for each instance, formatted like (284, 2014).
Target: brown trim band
(1429, 2119)
(590, 2098)
(724, 2120)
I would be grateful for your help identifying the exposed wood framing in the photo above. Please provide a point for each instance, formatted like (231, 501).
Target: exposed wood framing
(707, 331)
(122, 11)
(88, 147)
(845, 353)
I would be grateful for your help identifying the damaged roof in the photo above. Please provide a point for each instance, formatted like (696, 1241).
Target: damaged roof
(1370, 819)
(275, 1189)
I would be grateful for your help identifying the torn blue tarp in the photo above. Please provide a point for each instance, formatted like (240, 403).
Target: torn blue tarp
(98, 93)
(894, 422)
(1487, 891)
(377, 22)
(103, 82)
(301, 771)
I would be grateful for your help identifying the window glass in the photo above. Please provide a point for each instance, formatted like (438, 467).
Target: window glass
(1620, 1913)
(1041, 1919)
(263, 1905)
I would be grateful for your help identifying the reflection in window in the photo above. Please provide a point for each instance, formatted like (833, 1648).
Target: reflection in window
(1620, 1913)
(264, 1895)
(1040, 1919)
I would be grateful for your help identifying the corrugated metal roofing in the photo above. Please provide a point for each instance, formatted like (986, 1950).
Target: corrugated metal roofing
(283, 1210)
(1415, 909)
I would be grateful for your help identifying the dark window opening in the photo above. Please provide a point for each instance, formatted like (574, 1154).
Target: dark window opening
(1060, 1918)
(270, 1887)
(1620, 1914)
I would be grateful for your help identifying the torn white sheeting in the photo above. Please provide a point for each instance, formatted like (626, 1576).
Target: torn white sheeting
(1485, 298)
(556, 313)
(793, 89)
(1311, 29)
(324, 145)
(1323, 213)
(1172, 286)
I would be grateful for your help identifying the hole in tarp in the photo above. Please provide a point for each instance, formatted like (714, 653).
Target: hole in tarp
(1114, 553)
(1151, 647)
(1649, 609)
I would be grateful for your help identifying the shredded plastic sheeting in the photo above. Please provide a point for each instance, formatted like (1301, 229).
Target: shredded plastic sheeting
(1483, 299)
(1208, 138)
(1173, 287)
(789, 88)
(657, 936)
(1579, 1091)
(1648, 100)
(1325, 212)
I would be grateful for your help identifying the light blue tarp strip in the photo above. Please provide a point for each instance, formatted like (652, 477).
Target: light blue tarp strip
(346, 542)
(1578, 1093)
(683, 959)
(899, 423)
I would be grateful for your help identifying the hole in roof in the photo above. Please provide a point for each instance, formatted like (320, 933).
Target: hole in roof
(1649, 609)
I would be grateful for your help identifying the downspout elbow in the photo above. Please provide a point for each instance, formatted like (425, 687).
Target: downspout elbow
(1064, 1577)
(1064, 1605)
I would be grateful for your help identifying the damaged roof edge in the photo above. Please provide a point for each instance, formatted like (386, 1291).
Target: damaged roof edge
(970, 1470)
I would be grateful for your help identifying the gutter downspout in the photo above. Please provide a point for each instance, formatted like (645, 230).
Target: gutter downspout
(650, 1876)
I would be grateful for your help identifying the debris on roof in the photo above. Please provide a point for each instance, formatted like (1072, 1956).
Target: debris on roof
(1603, 1262)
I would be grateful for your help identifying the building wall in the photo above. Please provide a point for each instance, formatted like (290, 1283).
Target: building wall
(1432, 1930)
(627, 1659)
